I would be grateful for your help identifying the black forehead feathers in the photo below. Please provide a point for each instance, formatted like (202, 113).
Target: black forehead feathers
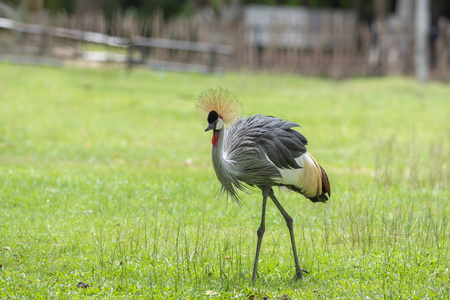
(213, 116)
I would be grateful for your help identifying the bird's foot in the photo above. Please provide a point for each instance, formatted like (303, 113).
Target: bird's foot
(299, 274)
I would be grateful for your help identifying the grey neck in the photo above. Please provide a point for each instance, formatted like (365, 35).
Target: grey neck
(217, 157)
(225, 172)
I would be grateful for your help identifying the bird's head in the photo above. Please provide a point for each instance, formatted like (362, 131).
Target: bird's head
(220, 106)
(215, 121)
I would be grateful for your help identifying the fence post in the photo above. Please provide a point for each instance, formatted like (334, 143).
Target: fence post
(45, 36)
(442, 52)
(422, 27)
(213, 58)
(129, 64)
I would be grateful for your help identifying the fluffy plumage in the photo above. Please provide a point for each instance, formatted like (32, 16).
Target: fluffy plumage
(266, 151)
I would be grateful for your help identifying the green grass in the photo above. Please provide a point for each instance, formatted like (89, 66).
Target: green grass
(106, 179)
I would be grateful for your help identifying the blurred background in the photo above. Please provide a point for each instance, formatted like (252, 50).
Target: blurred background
(335, 38)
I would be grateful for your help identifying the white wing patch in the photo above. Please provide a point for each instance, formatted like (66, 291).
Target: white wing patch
(308, 178)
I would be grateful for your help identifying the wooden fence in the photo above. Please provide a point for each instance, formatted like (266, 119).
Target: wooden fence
(339, 50)
(138, 44)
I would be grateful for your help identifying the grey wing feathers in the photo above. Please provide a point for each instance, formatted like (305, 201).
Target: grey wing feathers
(249, 144)
(269, 136)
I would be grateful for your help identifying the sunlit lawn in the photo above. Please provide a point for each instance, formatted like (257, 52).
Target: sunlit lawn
(106, 179)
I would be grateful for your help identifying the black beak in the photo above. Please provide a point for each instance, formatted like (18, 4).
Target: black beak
(210, 126)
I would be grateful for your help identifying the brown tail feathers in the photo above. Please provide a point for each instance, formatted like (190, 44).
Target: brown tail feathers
(325, 187)
(325, 182)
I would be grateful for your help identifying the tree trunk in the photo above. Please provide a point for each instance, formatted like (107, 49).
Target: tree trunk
(405, 15)
(380, 37)
(36, 5)
(88, 6)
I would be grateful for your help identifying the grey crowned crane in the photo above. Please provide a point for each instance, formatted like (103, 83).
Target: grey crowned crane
(260, 151)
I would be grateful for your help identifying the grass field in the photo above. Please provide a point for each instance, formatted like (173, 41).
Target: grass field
(106, 179)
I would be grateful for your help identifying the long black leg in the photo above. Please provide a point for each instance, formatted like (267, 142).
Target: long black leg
(289, 222)
(260, 232)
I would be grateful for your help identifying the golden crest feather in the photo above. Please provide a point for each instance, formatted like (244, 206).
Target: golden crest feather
(220, 100)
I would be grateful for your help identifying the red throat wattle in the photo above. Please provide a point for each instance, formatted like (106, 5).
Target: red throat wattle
(215, 138)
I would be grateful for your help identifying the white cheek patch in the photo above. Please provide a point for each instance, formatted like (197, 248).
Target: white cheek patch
(219, 124)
